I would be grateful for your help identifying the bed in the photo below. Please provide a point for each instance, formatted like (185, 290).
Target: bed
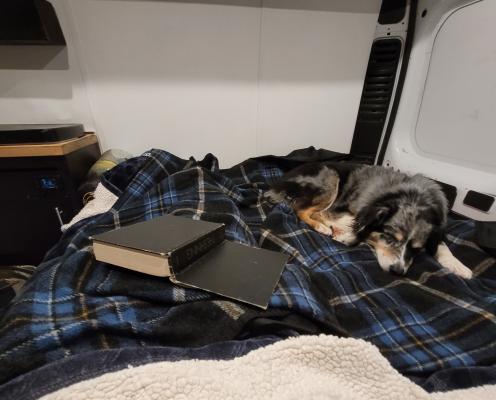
(76, 319)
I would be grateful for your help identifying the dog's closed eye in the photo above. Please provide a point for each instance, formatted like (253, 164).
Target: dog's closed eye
(388, 237)
(392, 238)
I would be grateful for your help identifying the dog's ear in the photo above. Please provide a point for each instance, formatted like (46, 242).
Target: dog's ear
(373, 218)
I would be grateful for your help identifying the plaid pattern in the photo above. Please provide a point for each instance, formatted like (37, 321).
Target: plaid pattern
(423, 323)
(12, 279)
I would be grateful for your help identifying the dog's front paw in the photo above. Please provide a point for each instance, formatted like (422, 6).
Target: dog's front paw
(451, 263)
(324, 230)
(461, 270)
(345, 237)
(467, 274)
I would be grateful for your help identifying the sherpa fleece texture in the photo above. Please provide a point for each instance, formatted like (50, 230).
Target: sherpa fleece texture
(103, 200)
(306, 367)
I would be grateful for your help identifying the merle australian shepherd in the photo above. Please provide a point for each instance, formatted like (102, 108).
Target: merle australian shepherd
(398, 215)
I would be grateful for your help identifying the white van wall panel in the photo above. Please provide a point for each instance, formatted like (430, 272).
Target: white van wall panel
(176, 76)
(458, 114)
(229, 77)
(313, 62)
(404, 151)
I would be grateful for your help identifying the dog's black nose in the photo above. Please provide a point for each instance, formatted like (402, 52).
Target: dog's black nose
(397, 269)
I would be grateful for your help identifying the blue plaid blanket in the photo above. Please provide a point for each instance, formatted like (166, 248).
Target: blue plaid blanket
(423, 323)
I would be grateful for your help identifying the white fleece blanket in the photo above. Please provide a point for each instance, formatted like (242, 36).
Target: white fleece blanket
(306, 367)
(103, 200)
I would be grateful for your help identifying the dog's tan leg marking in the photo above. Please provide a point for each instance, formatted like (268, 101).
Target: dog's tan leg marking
(451, 263)
(313, 215)
(323, 217)
(307, 216)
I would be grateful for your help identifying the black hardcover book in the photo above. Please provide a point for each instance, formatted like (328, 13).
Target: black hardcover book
(194, 254)
(162, 246)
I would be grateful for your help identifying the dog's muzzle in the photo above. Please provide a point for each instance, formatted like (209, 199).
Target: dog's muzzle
(398, 269)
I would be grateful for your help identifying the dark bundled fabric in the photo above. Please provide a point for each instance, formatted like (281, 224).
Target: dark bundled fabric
(460, 378)
(70, 370)
(12, 279)
(425, 322)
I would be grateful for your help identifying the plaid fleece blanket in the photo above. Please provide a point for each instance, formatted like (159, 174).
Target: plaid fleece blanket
(423, 323)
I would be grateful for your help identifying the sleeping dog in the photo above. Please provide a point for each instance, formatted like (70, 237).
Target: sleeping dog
(396, 214)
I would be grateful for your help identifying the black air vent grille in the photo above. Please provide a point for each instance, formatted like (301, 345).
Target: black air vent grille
(379, 80)
(376, 95)
(392, 11)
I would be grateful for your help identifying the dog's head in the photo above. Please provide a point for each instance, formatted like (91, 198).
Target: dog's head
(402, 222)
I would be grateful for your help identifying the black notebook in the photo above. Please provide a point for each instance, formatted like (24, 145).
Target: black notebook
(194, 254)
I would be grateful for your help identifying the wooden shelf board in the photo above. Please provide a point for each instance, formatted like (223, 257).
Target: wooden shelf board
(47, 149)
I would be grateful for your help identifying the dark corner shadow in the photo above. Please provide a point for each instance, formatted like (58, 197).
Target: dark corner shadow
(348, 6)
(27, 57)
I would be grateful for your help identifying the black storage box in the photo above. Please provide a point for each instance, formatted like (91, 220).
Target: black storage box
(39, 193)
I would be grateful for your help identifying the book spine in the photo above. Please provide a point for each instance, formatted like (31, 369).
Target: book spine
(185, 255)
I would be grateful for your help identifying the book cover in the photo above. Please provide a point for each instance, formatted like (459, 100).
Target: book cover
(236, 271)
